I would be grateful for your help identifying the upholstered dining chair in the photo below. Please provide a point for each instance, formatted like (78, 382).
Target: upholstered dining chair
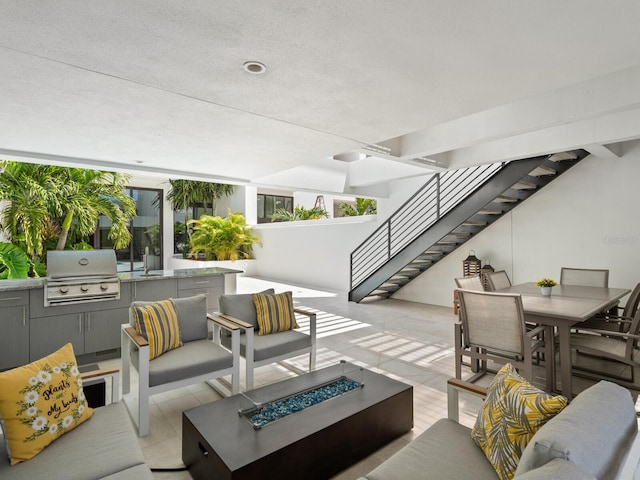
(270, 332)
(167, 342)
(492, 328)
(498, 280)
(585, 277)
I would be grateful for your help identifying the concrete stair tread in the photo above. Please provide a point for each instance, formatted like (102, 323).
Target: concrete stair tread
(542, 170)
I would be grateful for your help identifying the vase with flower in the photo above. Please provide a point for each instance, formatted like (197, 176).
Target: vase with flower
(546, 284)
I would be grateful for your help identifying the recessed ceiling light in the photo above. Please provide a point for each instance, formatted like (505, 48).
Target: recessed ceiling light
(139, 161)
(255, 68)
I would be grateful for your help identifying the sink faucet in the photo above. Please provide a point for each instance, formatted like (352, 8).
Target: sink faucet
(145, 260)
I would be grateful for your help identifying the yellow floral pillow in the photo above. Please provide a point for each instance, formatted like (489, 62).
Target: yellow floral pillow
(274, 312)
(41, 401)
(512, 413)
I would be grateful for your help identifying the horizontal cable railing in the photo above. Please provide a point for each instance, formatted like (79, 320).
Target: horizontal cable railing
(439, 195)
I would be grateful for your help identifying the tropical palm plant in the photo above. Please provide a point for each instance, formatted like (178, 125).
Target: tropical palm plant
(299, 213)
(87, 194)
(218, 238)
(185, 193)
(212, 192)
(42, 199)
(363, 206)
(31, 192)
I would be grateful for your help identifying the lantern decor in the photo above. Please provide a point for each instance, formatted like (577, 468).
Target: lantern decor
(486, 268)
(471, 265)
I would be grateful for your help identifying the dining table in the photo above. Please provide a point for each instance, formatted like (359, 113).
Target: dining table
(567, 306)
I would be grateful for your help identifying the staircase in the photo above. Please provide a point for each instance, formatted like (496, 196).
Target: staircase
(448, 210)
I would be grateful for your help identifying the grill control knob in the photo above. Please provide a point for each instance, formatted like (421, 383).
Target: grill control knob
(84, 288)
(104, 287)
(64, 289)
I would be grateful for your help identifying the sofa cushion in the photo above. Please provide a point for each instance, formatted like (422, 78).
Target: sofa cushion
(41, 401)
(194, 358)
(593, 432)
(444, 451)
(269, 346)
(158, 323)
(274, 312)
(192, 317)
(241, 306)
(105, 445)
(556, 469)
(511, 414)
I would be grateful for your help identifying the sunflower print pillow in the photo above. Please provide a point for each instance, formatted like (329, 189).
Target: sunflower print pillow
(41, 401)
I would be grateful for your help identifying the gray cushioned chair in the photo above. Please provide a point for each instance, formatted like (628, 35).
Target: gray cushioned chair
(259, 350)
(197, 360)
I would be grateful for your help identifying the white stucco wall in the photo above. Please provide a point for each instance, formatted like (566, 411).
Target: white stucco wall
(586, 218)
(311, 253)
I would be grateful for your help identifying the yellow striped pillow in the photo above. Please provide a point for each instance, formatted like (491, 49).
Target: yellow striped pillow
(274, 312)
(158, 323)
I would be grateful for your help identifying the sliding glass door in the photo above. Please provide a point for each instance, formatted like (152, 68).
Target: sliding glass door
(145, 228)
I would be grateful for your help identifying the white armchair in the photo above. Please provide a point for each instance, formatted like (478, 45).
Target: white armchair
(197, 360)
(259, 350)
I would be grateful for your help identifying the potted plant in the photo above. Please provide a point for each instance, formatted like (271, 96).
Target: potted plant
(546, 284)
(217, 238)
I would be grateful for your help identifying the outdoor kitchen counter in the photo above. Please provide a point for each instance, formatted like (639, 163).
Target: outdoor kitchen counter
(32, 330)
(31, 283)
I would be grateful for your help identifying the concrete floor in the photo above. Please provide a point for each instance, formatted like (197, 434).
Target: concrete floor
(407, 341)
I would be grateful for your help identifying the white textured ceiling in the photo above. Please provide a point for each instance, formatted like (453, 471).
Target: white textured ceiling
(116, 83)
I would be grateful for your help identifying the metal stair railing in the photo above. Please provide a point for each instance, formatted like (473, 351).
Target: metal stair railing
(439, 195)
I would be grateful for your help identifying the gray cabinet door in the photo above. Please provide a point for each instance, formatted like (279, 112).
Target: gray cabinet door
(102, 329)
(14, 340)
(212, 286)
(48, 334)
(152, 290)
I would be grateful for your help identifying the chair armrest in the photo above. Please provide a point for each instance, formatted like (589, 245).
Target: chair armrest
(454, 386)
(228, 318)
(99, 374)
(224, 322)
(103, 374)
(312, 323)
(609, 333)
(135, 337)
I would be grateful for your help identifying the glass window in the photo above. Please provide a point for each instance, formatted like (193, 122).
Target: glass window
(268, 204)
(145, 228)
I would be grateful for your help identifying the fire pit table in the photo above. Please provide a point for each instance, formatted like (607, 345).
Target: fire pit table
(362, 411)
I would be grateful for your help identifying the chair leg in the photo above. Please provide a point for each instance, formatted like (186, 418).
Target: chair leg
(549, 359)
(235, 350)
(458, 349)
(249, 359)
(312, 359)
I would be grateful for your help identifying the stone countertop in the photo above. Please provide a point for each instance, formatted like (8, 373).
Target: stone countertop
(32, 283)
(181, 273)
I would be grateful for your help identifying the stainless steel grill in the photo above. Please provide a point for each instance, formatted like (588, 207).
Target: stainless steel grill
(81, 276)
